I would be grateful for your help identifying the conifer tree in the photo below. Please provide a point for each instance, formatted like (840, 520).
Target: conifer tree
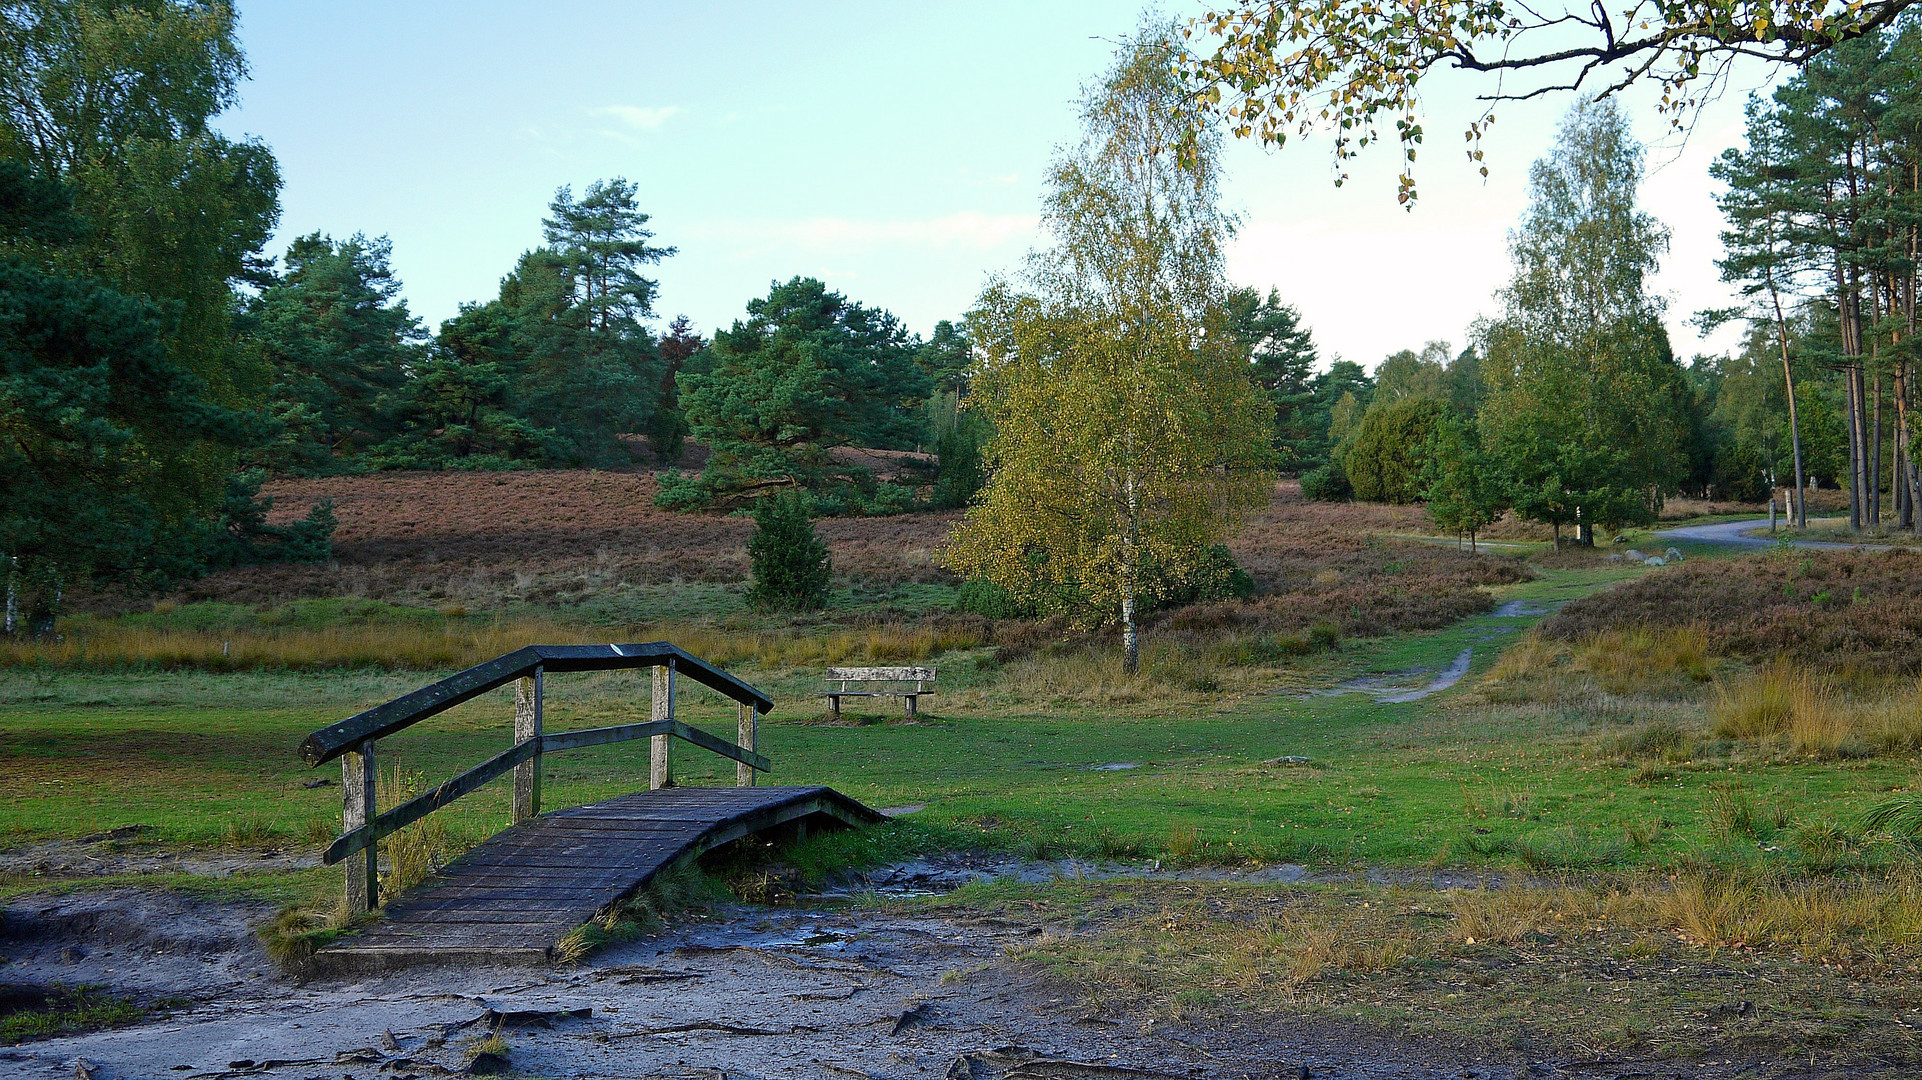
(786, 558)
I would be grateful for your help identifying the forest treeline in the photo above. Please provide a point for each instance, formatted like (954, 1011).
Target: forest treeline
(159, 363)
(1570, 408)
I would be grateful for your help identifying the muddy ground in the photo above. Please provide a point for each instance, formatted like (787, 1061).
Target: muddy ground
(824, 992)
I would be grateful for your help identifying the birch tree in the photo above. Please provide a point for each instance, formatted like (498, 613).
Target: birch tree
(1127, 436)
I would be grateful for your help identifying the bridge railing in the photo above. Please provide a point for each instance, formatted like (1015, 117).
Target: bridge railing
(353, 740)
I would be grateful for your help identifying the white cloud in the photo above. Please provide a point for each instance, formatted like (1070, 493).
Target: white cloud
(637, 116)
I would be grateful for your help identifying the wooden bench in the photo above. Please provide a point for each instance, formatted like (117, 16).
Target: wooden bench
(907, 683)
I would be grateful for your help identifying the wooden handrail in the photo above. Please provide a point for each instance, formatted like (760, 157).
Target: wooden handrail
(353, 740)
(409, 709)
(420, 806)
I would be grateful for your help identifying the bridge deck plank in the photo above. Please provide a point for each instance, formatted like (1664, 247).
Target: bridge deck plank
(521, 891)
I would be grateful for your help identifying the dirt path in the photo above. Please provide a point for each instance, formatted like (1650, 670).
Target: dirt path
(1735, 534)
(821, 993)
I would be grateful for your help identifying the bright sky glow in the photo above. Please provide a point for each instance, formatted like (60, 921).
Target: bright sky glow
(895, 151)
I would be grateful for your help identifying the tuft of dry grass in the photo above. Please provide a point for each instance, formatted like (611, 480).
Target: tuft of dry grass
(1643, 661)
(1476, 962)
(292, 935)
(1811, 713)
(112, 643)
(450, 644)
(678, 892)
(415, 852)
(1762, 705)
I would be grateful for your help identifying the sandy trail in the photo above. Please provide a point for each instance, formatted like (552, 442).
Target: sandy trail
(827, 993)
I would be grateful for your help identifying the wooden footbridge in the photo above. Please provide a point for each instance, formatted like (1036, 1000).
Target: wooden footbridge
(518, 893)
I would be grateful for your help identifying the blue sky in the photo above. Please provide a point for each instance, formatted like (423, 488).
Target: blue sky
(894, 150)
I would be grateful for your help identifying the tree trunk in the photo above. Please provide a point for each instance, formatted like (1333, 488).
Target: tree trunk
(1875, 452)
(1862, 475)
(1130, 638)
(1797, 510)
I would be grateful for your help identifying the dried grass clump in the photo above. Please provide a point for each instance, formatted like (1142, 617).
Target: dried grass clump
(296, 931)
(1856, 922)
(680, 891)
(1663, 663)
(434, 644)
(112, 643)
(1760, 706)
(1090, 672)
(1811, 713)
(416, 851)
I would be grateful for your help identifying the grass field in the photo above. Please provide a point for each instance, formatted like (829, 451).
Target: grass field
(1634, 843)
(1009, 754)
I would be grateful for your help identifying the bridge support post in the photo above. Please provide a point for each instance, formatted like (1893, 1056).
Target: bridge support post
(746, 736)
(357, 807)
(660, 763)
(527, 725)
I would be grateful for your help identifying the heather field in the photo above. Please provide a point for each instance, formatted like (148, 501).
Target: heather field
(1537, 801)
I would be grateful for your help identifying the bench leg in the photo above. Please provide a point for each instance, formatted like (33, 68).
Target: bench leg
(834, 703)
(910, 700)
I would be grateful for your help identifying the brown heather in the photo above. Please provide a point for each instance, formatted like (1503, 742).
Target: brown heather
(542, 536)
(1846, 613)
(484, 540)
(1352, 565)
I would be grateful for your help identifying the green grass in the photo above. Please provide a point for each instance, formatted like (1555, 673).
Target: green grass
(67, 1009)
(207, 759)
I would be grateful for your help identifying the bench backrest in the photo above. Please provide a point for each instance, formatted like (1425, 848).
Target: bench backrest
(921, 677)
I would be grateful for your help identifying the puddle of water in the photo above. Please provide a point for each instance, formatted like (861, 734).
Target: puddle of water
(1114, 766)
(936, 875)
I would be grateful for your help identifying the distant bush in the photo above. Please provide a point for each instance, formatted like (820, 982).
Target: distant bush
(244, 537)
(1327, 484)
(991, 601)
(788, 560)
(1215, 576)
(861, 497)
(1385, 462)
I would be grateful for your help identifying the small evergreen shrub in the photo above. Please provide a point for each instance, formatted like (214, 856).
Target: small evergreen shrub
(679, 491)
(1327, 484)
(311, 539)
(788, 560)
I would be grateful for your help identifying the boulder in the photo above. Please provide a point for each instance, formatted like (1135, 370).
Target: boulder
(1654, 560)
(1673, 555)
(1633, 556)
